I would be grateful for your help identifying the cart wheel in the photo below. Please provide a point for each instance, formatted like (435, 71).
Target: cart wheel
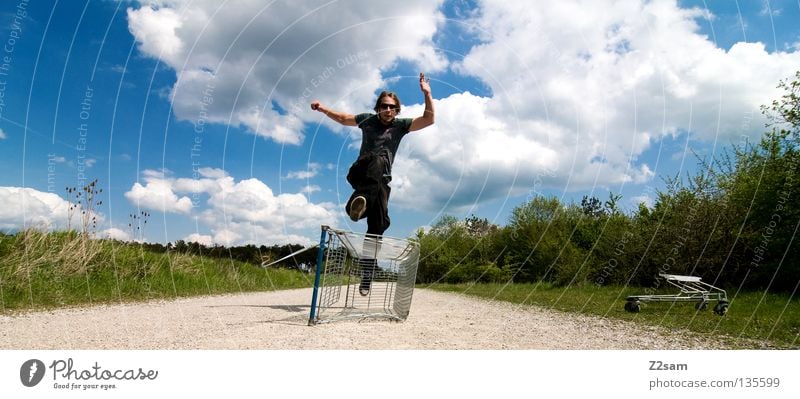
(632, 307)
(721, 308)
(702, 305)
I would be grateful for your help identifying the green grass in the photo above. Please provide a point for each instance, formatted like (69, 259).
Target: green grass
(754, 320)
(51, 270)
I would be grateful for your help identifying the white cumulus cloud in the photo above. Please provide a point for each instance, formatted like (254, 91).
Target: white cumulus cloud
(234, 212)
(311, 171)
(203, 239)
(157, 194)
(258, 64)
(579, 91)
(29, 208)
(115, 234)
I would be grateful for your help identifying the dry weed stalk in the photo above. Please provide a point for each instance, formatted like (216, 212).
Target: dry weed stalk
(66, 254)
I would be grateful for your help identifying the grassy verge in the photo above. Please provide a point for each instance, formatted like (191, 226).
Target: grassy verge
(754, 319)
(40, 270)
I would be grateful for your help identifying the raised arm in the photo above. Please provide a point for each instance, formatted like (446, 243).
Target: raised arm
(341, 117)
(426, 119)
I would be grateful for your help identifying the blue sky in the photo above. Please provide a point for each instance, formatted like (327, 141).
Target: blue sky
(198, 113)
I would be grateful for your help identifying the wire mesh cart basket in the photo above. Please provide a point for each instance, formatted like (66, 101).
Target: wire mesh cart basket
(692, 289)
(363, 276)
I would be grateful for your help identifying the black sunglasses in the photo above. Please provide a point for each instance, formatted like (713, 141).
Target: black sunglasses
(388, 106)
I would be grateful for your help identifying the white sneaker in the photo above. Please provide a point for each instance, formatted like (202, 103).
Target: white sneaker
(366, 284)
(357, 208)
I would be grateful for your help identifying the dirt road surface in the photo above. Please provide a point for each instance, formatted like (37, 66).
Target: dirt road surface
(278, 320)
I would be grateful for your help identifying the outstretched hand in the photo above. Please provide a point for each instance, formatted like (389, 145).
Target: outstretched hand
(424, 84)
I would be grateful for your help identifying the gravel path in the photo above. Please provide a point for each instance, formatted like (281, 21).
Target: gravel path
(277, 320)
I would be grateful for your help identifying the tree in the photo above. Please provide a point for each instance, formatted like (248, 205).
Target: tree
(785, 113)
(592, 207)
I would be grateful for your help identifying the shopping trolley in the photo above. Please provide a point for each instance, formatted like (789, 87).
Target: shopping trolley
(692, 289)
(363, 276)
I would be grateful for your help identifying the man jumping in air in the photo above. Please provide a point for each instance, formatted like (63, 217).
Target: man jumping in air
(371, 173)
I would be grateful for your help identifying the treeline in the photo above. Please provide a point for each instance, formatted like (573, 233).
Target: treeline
(734, 223)
(247, 253)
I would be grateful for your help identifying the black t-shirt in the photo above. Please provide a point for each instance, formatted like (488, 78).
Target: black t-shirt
(375, 136)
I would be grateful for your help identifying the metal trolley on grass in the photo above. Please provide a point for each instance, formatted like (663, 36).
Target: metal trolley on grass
(692, 289)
